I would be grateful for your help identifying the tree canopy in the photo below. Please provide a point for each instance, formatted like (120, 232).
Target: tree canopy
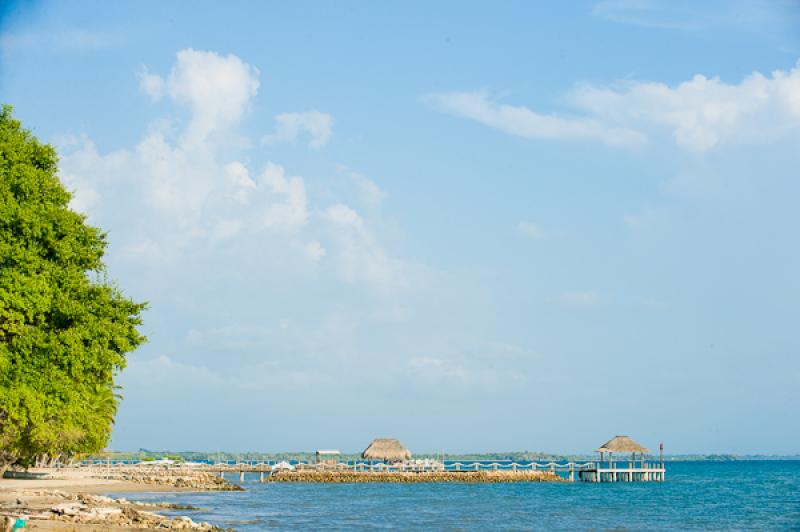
(65, 329)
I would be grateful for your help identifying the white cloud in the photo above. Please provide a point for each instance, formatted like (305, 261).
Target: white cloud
(290, 209)
(314, 251)
(185, 192)
(177, 179)
(225, 229)
(370, 193)
(700, 114)
(358, 255)
(530, 230)
(523, 122)
(242, 185)
(343, 215)
(151, 84)
(84, 196)
(318, 126)
(79, 169)
(217, 89)
(703, 112)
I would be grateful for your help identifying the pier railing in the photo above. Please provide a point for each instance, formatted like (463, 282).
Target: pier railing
(590, 471)
(446, 465)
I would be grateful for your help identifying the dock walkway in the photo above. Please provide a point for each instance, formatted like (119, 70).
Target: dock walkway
(590, 471)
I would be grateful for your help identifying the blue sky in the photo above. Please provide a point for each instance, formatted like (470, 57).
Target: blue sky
(525, 226)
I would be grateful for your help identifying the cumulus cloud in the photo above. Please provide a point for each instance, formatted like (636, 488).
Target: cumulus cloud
(314, 251)
(344, 216)
(84, 196)
(187, 192)
(359, 256)
(289, 126)
(700, 113)
(225, 229)
(704, 112)
(289, 211)
(242, 186)
(85, 193)
(216, 88)
(369, 191)
(182, 188)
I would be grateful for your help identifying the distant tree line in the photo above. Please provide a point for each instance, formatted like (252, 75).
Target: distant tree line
(148, 455)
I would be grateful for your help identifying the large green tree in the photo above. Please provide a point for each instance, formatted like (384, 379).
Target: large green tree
(65, 329)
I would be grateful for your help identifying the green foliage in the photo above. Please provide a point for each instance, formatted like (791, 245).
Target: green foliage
(64, 328)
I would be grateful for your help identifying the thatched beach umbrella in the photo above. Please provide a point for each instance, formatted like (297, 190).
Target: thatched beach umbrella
(386, 449)
(622, 444)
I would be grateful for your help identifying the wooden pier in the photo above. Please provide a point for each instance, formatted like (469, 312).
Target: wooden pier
(594, 471)
(633, 470)
(638, 468)
(433, 471)
(646, 472)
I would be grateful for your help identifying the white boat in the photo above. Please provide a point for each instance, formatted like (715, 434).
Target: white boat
(282, 466)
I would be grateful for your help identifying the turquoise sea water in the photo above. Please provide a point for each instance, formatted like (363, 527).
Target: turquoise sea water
(758, 495)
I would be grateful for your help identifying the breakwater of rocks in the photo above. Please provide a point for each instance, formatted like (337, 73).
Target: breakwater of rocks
(182, 478)
(487, 477)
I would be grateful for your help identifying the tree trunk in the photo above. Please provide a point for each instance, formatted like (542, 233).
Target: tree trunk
(5, 463)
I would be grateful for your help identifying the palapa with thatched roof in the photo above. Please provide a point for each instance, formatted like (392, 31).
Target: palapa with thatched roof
(621, 444)
(607, 469)
(386, 449)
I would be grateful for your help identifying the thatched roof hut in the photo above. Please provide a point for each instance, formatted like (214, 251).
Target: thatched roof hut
(621, 444)
(386, 449)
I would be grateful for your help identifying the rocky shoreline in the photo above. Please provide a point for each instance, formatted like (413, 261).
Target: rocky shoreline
(73, 508)
(36, 507)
